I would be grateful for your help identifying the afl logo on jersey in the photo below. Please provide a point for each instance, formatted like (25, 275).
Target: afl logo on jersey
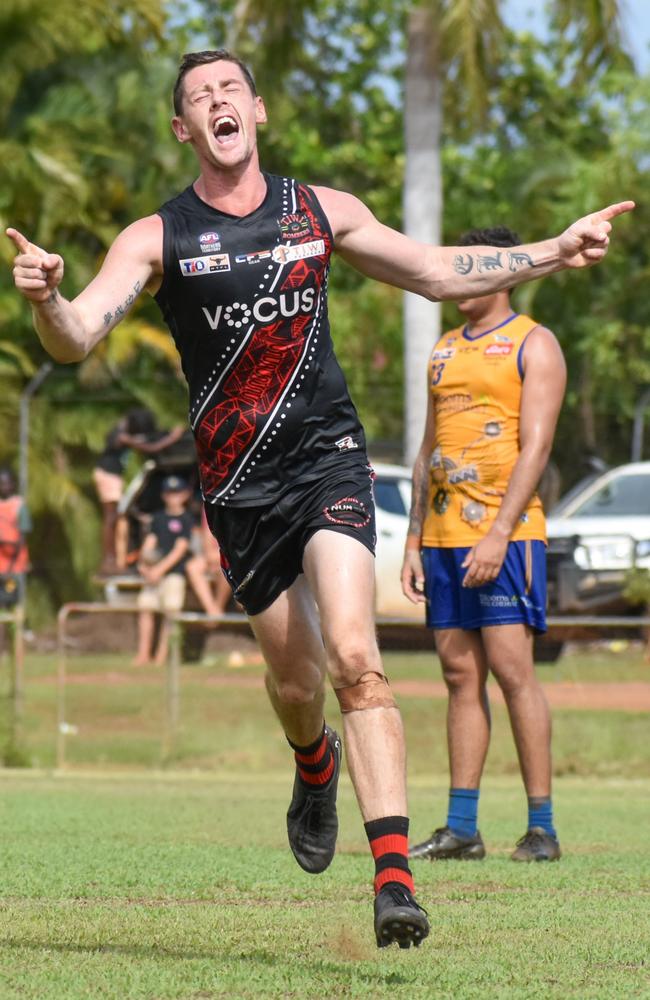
(294, 225)
(209, 242)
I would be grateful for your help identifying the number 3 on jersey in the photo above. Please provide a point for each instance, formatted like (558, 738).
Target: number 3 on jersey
(436, 372)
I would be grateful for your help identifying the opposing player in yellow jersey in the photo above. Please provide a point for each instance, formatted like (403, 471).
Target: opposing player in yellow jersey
(476, 549)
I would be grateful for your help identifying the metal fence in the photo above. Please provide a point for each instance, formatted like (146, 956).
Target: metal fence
(15, 619)
(181, 620)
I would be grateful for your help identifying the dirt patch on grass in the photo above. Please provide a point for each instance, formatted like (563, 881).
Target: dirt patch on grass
(626, 696)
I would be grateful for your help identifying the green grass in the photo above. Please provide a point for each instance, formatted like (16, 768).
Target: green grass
(152, 887)
(121, 880)
(119, 713)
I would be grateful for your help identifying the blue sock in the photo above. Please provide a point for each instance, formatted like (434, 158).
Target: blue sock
(462, 811)
(540, 813)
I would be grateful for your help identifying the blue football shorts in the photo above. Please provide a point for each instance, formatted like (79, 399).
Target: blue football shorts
(517, 596)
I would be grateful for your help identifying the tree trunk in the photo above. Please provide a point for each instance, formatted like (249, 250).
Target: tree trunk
(587, 415)
(422, 207)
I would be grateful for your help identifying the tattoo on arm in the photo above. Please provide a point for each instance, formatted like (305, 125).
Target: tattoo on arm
(52, 297)
(121, 310)
(519, 260)
(463, 263)
(489, 262)
(419, 496)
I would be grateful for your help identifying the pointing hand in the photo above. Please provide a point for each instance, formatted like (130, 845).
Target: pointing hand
(586, 241)
(37, 274)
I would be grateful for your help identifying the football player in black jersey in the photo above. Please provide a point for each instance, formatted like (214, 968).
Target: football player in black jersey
(238, 264)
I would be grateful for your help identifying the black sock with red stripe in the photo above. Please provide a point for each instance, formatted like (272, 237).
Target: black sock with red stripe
(315, 762)
(388, 838)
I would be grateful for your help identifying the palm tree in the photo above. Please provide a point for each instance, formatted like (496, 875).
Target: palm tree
(454, 46)
(73, 79)
(447, 40)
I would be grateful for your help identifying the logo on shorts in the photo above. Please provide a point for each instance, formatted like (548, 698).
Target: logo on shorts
(348, 510)
(497, 600)
(346, 443)
(247, 579)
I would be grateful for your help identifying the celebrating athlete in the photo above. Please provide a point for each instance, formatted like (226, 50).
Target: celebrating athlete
(238, 264)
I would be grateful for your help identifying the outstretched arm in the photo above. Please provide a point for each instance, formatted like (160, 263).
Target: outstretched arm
(69, 330)
(441, 273)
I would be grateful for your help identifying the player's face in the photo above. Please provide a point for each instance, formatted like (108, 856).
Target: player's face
(220, 114)
(476, 309)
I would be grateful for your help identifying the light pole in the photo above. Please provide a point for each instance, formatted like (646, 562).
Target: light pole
(637, 431)
(23, 440)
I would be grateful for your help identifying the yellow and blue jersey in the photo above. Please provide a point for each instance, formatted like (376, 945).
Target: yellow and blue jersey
(476, 385)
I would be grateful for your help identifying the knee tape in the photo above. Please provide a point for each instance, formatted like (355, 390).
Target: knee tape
(370, 691)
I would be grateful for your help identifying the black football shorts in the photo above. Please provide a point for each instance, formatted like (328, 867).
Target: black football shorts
(262, 547)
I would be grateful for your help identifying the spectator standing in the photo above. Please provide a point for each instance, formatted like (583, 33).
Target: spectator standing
(162, 565)
(475, 551)
(136, 431)
(15, 524)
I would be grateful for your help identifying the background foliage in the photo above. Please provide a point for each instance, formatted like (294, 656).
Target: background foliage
(85, 148)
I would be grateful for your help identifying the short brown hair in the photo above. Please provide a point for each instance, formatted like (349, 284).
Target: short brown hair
(192, 59)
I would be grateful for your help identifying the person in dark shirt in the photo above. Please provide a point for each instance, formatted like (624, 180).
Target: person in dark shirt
(162, 563)
(238, 264)
(136, 431)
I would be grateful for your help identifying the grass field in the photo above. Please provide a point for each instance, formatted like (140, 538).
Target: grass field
(120, 881)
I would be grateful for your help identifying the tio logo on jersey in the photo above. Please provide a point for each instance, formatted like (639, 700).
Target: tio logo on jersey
(191, 266)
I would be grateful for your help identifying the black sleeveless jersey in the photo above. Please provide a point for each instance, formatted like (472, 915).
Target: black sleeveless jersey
(246, 302)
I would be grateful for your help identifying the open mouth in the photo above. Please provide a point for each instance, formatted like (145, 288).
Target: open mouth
(226, 130)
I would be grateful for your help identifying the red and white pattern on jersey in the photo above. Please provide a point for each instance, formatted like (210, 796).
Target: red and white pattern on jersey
(254, 389)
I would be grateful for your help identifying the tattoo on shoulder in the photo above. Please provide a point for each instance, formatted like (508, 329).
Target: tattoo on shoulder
(121, 310)
(519, 260)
